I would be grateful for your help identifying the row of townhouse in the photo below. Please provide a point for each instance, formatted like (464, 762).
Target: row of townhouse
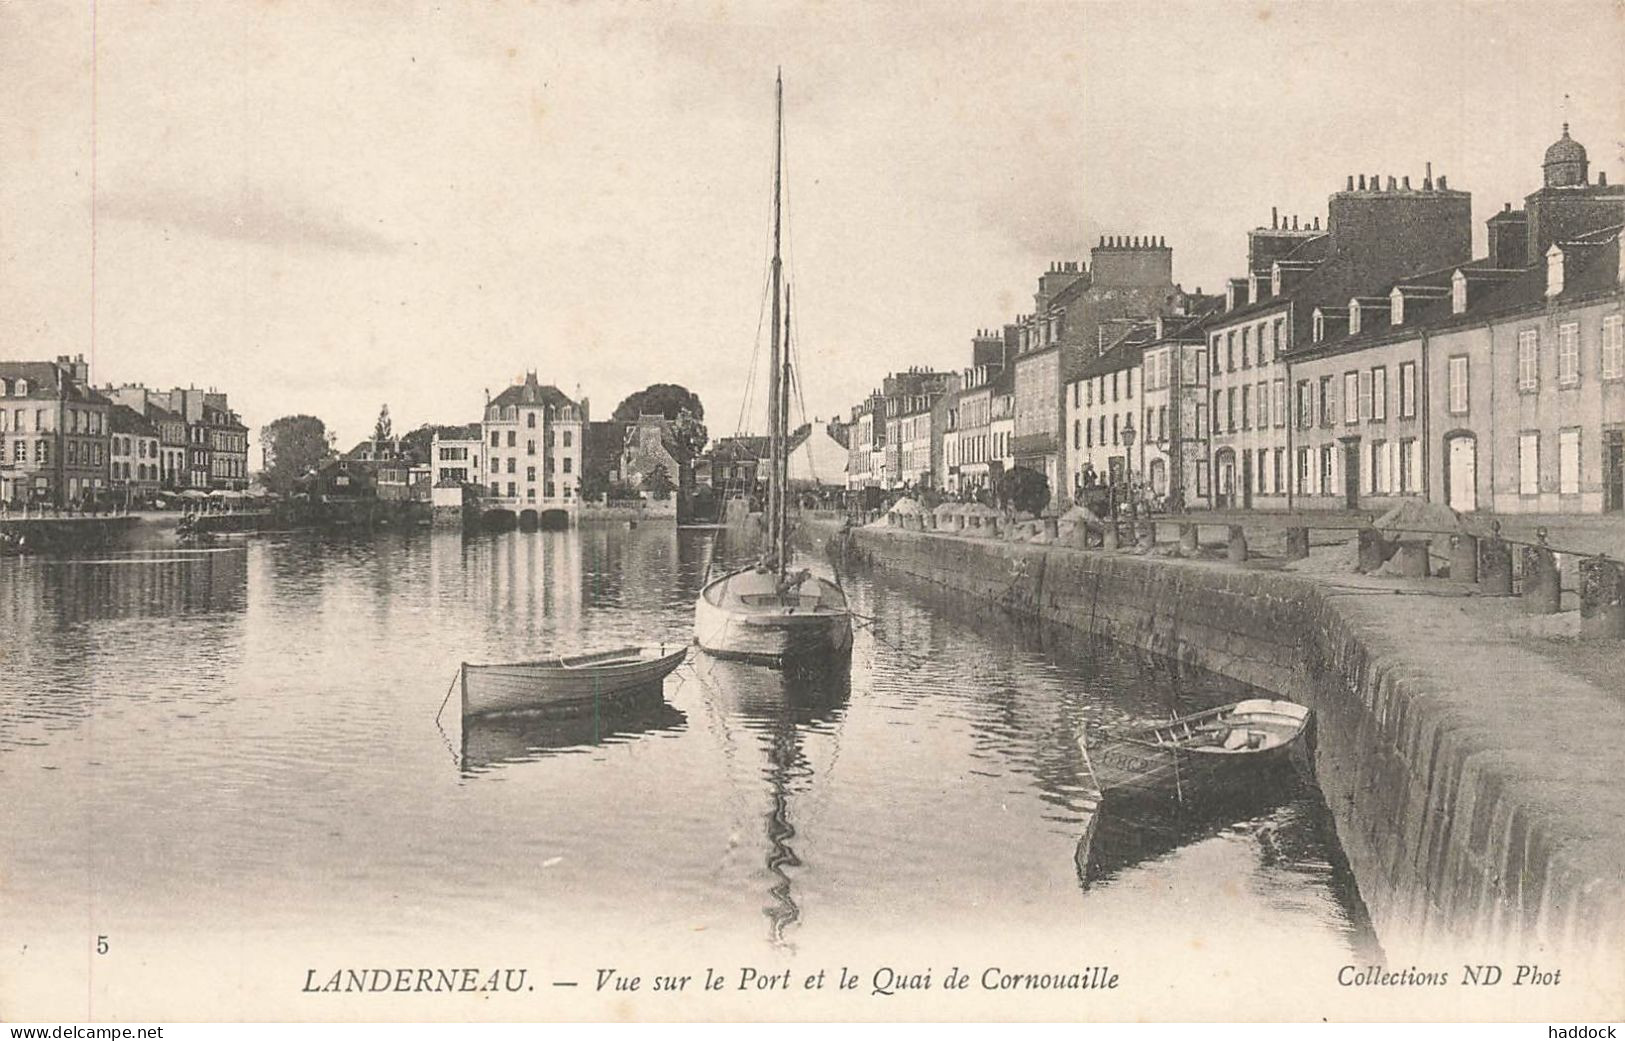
(1379, 360)
(65, 443)
(893, 437)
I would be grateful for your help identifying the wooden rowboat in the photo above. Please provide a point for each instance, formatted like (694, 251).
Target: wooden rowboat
(1193, 755)
(580, 681)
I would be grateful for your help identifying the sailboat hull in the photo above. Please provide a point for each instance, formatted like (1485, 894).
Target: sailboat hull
(742, 616)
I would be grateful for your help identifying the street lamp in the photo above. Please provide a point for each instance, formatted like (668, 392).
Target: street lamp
(1127, 434)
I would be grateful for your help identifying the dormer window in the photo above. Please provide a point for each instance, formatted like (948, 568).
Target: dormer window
(22, 388)
(1396, 307)
(1320, 325)
(1554, 271)
(1275, 279)
(1458, 293)
(1354, 317)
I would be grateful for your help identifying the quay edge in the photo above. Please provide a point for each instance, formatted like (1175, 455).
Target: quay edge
(1479, 818)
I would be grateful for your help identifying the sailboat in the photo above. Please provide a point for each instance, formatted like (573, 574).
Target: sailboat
(767, 612)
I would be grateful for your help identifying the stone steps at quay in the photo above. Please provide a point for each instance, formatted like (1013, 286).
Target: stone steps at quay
(1474, 785)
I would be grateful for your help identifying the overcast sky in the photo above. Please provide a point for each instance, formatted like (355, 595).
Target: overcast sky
(324, 207)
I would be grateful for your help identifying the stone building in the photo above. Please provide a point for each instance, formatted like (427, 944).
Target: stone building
(1174, 403)
(55, 433)
(135, 473)
(456, 457)
(533, 442)
(1270, 446)
(1077, 309)
(1490, 383)
(203, 443)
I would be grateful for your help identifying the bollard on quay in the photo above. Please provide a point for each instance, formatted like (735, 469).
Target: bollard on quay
(1542, 584)
(1495, 564)
(1236, 550)
(1411, 558)
(1374, 550)
(1463, 558)
(1297, 543)
(1602, 599)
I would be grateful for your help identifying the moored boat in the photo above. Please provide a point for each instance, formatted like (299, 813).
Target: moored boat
(767, 613)
(1192, 755)
(578, 681)
(755, 614)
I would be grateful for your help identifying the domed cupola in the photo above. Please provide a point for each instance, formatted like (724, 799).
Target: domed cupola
(1565, 163)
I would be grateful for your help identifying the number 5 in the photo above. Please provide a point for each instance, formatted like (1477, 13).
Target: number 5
(101, 945)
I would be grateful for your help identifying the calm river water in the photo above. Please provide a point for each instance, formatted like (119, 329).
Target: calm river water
(243, 743)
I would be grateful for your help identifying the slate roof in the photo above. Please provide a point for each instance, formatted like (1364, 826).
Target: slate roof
(532, 393)
(126, 420)
(1591, 268)
(45, 383)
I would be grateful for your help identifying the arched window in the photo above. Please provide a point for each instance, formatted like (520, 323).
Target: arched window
(530, 419)
(22, 388)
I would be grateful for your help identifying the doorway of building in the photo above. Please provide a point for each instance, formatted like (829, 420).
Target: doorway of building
(1224, 479)
(1613, 469)
(1461, 473)
(1351, 474)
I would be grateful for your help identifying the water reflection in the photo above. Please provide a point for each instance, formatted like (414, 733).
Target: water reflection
(153, 584)
(492, 741)
(781, 707)
(256, 732)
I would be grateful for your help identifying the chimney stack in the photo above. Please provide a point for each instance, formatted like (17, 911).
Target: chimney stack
(1442, 185)
(1274, 220)
(1362, 182)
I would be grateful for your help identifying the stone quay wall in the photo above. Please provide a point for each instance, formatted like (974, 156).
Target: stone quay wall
(1462, 838)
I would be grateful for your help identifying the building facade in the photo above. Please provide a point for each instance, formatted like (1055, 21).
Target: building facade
(55, 434)
(457, 458)
(533, 441)
(135, 473)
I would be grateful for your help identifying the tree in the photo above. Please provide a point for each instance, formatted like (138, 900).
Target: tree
(383, 430)
(657, 482)
(680, 406)
(690, 436)
(293, 446)
(659, 399)
(1024, 490)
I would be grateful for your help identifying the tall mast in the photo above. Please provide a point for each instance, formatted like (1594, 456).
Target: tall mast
(782, 547)
(775, 421)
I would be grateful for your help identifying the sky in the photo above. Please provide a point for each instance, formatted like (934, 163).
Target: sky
(325, 208)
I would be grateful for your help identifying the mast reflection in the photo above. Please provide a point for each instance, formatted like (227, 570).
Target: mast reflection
(784, 707)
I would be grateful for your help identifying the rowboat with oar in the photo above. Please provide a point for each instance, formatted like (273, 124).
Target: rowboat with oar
(1193, 755)
(578, 681)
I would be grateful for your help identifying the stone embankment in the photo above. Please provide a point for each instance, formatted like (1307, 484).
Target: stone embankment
(1475, 787)
(57, 533)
